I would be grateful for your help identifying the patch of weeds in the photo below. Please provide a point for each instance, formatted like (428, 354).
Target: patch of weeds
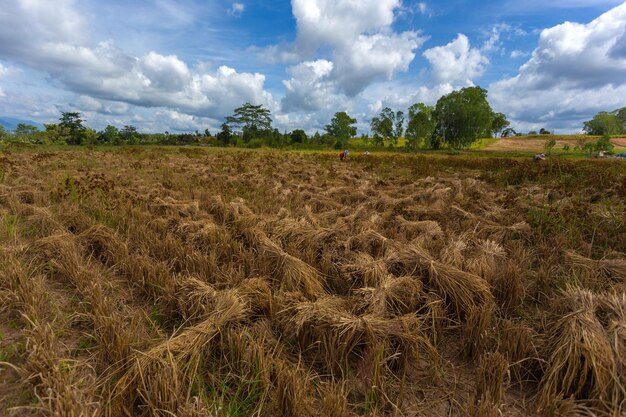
(11, 221)
(236, 398)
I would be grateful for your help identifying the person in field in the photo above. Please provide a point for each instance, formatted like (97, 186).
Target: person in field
(539, 157)
(343, 155)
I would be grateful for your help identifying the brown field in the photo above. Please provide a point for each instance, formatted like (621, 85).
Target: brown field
(537, 145)
(187, 282)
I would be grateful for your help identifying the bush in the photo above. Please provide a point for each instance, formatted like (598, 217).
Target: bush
(604, 144)
(255, 143)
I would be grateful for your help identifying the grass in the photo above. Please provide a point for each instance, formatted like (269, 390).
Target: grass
(199, 281)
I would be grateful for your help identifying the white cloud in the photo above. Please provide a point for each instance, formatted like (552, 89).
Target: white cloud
(310, 87)
(363, 49)
(519, 54)
(573, 73)
(422, 7)
(3, 71)
(53, 42)
(456, 62)
(237, 9)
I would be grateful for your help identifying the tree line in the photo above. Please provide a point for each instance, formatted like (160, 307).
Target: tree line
(456, 121)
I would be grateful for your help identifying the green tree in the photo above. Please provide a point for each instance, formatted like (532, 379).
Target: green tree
(298, 136)
(253, 121)
(25, 130)
(55, 133)
(225, 136)
(549, 145)
(603, 123)
(341, 127)
(388, 125)
(463, 117)
(509, 132)
(420, 126)
(499, 124)
(621, 117)
(3, 133)
(110, 135)
(129, 134)
(72, 122)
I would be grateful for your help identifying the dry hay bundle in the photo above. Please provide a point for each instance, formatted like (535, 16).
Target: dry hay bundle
(361, 270)
(171, 207)
(491, 384)
(201, 233)
(462, 290)
(42, 221)
(485, 258)
(308, 239)
(369, 241)
(581, 359)
(258, 295)
(499, 232)
(393, 297)
(335, 338)
(612, 311)
(159, 381)
(227, 212)
(413, 229)
(65, 390)
(288, 272)
(519, 344)
(612, 268)
(454, 252)
(104, 245)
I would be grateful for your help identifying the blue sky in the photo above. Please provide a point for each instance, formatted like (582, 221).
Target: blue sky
(184, 65)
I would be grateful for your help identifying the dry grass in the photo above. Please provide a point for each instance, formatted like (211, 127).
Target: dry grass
(151, 282)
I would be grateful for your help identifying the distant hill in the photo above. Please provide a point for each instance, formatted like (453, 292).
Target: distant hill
(10, 123)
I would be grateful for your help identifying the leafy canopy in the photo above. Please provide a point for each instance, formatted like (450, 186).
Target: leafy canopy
(420, 126)
(252, 117)
(341, 126)
(388, 126)
(463, 117)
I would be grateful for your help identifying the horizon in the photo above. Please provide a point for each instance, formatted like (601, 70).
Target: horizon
(163, 65)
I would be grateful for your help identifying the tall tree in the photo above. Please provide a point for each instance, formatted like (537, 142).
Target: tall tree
(110, 135)
(499, 124)
(25, 130)
(72, 122)
(463, 117)
(298, 136)
(388, 125)
(225, 136)
(129, 134)
(604, 123)
(250, 117)
(341, 127)
(420, 125)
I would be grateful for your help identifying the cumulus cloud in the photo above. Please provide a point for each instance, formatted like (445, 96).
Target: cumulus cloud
(574, 72)
(363, 48)
(53, 42)
(456, 62)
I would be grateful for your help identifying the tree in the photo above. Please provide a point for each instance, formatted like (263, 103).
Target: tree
(509, 132)
(544, 131)
(420, 125)
(341, 127)
(251, 120)
(110, 135)
(3, 132)
(499, 124)
(225, 136)
(549, 145)
(25, 130)
(73, 124)
(207, 133)
(129, 134)
(603, 123)
(388, 125)
(298, 136)
(463, 117)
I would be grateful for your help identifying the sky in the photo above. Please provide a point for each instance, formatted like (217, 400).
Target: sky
(182, 65)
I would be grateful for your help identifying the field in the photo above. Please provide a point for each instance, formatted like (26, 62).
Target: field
(196, 282)
(536, 143)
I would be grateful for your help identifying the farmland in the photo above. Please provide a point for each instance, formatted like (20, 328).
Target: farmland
(196, 282)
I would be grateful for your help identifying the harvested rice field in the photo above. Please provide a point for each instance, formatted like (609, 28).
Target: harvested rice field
(193, 282)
